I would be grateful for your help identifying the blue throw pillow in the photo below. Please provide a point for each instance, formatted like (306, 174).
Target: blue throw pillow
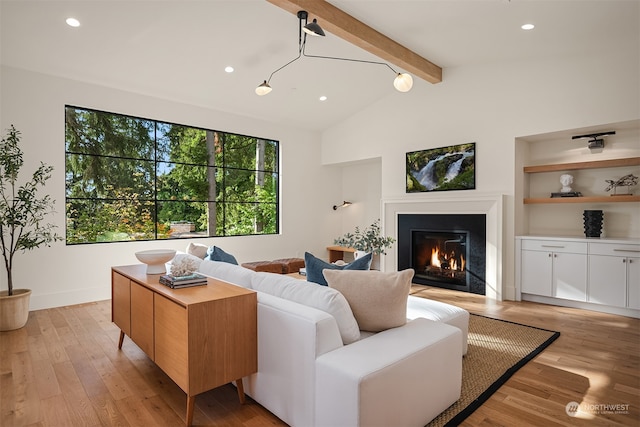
(315, 266)
(214, 253)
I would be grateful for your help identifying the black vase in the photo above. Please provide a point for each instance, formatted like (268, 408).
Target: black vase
(593, 223)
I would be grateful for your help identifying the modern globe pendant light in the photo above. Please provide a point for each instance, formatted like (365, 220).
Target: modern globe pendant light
(403, 82)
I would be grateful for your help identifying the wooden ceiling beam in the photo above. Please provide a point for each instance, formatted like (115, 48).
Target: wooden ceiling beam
(345, 26)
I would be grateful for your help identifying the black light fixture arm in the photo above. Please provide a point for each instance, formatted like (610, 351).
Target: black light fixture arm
(288, 63)
(402, 83)
(302, 40)
(302, 44)
(348, 59)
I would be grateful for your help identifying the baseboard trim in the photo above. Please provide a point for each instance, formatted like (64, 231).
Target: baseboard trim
(60, 299)
(621, 311)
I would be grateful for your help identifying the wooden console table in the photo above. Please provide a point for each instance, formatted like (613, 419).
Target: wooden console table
(337, 252)
(202, 337)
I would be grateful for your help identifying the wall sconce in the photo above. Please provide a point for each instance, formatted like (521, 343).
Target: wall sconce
(596, 140)
(343, 205)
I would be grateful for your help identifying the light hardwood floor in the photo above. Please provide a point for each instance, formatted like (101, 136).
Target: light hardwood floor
(64, 369)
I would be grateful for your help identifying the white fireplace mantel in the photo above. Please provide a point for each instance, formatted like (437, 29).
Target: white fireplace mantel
(491, 205)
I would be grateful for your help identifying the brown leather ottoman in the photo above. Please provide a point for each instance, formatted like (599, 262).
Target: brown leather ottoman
(267, 266)
(290, 265)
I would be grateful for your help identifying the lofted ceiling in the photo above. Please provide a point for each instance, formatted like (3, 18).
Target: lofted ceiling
(178, 50)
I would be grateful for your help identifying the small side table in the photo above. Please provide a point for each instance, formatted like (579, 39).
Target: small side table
(337, 252)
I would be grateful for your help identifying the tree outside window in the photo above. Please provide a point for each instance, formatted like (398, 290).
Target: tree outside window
(137, 179)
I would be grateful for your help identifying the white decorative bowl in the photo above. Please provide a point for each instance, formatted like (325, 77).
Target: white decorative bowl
(155, 259)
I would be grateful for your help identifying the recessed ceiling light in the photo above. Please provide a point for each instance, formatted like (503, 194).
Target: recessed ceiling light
(228, 69)
(323, 98)
(73, 22)
(528, 27)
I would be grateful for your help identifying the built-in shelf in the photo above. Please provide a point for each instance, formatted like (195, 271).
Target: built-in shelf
(615, 163)
(590, 199)
(631, 161)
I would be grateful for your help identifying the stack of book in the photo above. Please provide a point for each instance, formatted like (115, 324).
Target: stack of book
(567, 194)
(176, 282)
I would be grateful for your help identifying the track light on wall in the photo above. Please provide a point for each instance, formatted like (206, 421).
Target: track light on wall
(403, 82)
(343, 205)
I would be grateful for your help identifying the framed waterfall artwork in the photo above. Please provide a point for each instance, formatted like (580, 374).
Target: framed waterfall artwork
(442, 169)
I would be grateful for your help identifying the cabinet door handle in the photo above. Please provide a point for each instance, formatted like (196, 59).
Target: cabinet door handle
(624, 260)
(549, 255)
(627, 250)
(554, 246)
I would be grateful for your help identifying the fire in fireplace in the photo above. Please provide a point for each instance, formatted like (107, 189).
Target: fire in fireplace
(446, 251)
(440, 256)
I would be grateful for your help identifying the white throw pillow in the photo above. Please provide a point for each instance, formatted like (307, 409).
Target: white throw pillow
(180, 256)
(197, 249)
(312, 295)
(378, 299)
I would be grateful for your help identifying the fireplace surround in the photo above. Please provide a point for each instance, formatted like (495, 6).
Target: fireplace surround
(445, 250)
(492, 205)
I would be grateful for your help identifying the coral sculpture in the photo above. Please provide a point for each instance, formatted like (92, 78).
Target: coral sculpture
(184, 267)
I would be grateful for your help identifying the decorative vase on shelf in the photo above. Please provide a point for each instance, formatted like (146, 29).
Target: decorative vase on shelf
(593, 223)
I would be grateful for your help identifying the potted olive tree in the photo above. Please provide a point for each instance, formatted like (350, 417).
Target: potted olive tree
(23, 224)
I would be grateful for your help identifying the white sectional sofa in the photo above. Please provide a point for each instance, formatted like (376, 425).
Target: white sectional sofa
(314, 369)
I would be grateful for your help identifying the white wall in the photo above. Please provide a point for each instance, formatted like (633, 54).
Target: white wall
(491, 105)
(361, 185)
(62, 274)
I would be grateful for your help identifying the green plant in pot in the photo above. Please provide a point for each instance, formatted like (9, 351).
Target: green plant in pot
(23, 224)
(368, 239)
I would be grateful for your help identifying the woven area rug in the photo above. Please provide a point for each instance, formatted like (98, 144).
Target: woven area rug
(497, 349)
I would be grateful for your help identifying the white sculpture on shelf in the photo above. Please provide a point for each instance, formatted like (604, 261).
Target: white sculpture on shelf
(566, 180)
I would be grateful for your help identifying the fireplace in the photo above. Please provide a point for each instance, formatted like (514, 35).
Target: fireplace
(447, 251)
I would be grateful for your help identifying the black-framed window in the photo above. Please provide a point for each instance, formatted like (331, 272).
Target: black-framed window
(130, 178)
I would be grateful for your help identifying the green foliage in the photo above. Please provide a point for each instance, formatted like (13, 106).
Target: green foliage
(465, 179)
(127, 176)
(369, 239)
(123, 218)
(419, 159)
(22, 211)
(413, 185)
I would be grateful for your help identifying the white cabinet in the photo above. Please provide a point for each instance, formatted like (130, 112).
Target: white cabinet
(596, 274)
(633, 282)
(614, 274)
(607, 279)
(536, 273)
(554, 268)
